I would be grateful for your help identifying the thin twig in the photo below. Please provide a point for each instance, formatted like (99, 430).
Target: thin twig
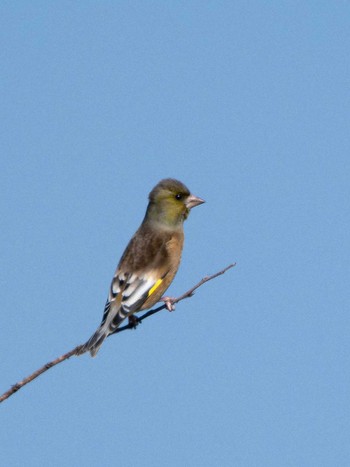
(37, 373)
(187, 294)
(74, 351)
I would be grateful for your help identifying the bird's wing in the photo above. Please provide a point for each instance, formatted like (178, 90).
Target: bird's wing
(141, 271)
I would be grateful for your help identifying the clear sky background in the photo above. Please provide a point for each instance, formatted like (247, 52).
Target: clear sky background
(246, 102)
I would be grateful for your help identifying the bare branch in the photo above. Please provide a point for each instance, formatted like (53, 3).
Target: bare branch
(37, 373)
(74, 351)
(187, 294)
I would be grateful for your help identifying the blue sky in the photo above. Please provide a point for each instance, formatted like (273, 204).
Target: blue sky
(248, 104)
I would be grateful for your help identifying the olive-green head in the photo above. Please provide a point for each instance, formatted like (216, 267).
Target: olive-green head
(170, 202)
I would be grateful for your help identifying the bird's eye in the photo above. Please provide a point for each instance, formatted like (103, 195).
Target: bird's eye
(178, 196)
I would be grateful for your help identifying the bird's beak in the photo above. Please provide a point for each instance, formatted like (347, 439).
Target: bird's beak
(193, 201)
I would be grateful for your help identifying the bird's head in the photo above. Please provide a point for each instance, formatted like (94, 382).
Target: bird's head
(170, 202)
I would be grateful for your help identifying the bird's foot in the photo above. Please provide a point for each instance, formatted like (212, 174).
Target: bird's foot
(169, 303)
(133, 321)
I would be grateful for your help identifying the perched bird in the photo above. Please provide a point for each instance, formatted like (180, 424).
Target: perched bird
(150, 261)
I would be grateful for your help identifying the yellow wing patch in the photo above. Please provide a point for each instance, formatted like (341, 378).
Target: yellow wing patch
(156, 285)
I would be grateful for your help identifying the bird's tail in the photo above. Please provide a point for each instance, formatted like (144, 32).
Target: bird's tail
(107, 327)
(95, 341)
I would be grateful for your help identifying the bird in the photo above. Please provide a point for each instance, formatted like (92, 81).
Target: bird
(149, 262)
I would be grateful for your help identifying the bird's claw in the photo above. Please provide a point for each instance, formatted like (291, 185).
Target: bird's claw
(133, 321)
(169, 303)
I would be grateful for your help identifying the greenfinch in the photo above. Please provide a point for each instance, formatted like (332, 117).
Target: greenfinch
(149, 262)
